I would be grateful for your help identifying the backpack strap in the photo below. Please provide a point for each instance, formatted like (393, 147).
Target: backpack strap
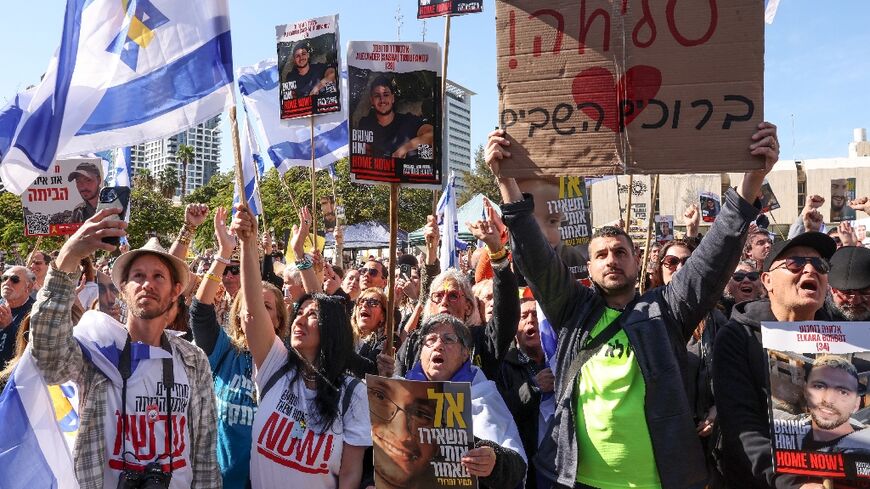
(274, 379)
(348, 395)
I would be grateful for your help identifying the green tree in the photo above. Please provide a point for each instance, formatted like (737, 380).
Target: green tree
(167, 181)
(479, 181)
(185, 155)
(144, 178)
(151, 211)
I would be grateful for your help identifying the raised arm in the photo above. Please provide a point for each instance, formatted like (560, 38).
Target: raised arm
(304, 263)
(203, 320)
(255, 318)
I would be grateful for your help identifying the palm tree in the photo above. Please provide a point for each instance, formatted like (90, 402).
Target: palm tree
(185, 154)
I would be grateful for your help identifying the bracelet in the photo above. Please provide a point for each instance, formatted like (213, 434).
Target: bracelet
(212, 277)
(499, 255)
(223, 260)
(186, 233)
(305, 263)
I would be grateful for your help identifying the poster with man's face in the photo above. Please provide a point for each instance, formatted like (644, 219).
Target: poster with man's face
(308, 67)
(818, 398)
(435, 8)
(420, 430)
(395, 113)
(710, 206)
(664, 228)
(61, 199)
(842, 192)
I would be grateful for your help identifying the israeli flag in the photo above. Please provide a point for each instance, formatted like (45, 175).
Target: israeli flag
(32, 435)
(121, 171)
(126, 72)
(251, 165)
(448, 225)
(289, 143)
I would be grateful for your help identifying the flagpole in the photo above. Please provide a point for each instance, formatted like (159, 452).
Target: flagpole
(649, 228)
(628, 204)
(313, 190)
(391, 285)
(237, 154)
(289, 194)
(443, 104)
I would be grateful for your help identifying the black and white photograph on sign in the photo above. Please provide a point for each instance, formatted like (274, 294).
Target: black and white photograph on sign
(710, 206)
(664, 228)
(435, 8)
(395, 112)
(842, 192)
(61, 199)
(308, 67)
(819, 402)
(769, 202)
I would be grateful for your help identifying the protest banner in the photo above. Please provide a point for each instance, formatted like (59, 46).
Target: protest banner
(598, 87)
(818, 397)
(710, 206)
(60, 200)
(436, 427)
(435, 8)
(664, 228)
(395, 113)
(308, 67)
(842, 192)
(769, 202)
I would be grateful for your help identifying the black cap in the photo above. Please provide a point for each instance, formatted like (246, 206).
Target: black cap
(820, 242)
(850, 268)
(85, 167)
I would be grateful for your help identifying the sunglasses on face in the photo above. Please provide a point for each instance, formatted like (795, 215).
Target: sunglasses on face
(450, 295)
(232, 270)
(447, 339)
(795, 264)
(369, 302)
(672, 261)
(15, 278)
(372, 272)
(739, 276)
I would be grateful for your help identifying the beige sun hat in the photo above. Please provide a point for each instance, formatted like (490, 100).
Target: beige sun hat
(152, 247)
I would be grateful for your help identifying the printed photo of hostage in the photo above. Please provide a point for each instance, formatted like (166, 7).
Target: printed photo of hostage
(664, 228)
(710, 206)
(395, 119)
(842, 192)
(308, 67)
(61, 199)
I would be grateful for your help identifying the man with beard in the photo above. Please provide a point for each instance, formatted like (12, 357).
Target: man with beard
(850, 284)
(393, 134)
(832, 394)
(795, 275)
(839, 199)
(132, 376)
(306, 78)
(88, 178)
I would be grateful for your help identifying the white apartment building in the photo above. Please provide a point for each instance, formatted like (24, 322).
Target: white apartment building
(457, 151)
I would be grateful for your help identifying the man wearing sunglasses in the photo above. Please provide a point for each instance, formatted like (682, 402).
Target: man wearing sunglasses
(850, 284)
(15, 287)
(373, 274)
(795, 275)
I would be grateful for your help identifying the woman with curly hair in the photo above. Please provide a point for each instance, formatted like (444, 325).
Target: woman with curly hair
(312, 425)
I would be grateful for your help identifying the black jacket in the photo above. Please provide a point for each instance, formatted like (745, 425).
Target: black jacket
(741, 385)
(658, 325)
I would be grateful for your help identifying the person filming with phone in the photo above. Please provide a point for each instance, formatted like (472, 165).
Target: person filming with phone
(147, 406)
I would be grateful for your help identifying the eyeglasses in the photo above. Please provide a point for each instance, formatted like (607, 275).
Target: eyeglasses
(232, 270)
(382, 407)
(451, 295)
(15, 278)
(739, 276)
(369, 302)
(795, 264)
(372, 272)
(447, 339)
(672, 261)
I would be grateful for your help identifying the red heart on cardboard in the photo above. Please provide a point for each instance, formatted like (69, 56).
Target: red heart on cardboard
(629, 95)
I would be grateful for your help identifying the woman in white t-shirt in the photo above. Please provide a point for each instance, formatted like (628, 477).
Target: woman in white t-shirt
(312, 425)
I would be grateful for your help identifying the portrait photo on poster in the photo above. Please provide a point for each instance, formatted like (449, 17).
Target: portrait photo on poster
(710, 206)
(395, 112)
(664, 228)
(308, 67)
(62, 198)
(819, 403)
(842, 192)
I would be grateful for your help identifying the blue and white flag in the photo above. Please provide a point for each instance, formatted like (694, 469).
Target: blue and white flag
(32, 432)
(448, 225)
(770, 11)
(126, 72)
(121, 170)
(288, 143)
(250, 162)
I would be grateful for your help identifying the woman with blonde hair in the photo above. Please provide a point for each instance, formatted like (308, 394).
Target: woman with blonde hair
(368, 320)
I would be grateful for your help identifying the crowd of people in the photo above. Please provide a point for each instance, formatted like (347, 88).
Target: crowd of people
(248, 368)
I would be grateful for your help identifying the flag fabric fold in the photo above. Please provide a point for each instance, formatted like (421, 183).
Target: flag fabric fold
(126, 72)
(251, 163)
(770, 11)
(288, 143)
(448, 225)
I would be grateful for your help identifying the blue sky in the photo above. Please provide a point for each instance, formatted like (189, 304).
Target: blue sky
(817, 60)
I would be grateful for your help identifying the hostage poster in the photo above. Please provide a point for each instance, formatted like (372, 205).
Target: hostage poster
(842, 192)
(395, 112)
(420, 430)
(819, 410)
(435, 8)
(308, 67)
(61, 199)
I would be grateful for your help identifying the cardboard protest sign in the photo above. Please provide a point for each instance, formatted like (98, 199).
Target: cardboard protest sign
(435, 8)
(842, 192)
(595, 87)
(710, 206)
(435, 426)
(328, 211)
(818, 397)
(769, 202)
(664, 228)
(395, 112)
(308, 67)
(60, 200)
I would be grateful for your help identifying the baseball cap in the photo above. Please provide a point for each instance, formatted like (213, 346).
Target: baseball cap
(820, 242)
(850, 268)
(83, 168)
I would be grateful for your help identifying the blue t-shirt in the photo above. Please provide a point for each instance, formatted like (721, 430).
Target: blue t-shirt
(236, 403)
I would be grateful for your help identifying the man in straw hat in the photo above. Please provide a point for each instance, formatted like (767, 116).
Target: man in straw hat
(133, 377)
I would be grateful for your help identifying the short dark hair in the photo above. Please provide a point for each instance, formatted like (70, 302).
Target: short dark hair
(384, 272)
(382, 81)
(612, 232)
